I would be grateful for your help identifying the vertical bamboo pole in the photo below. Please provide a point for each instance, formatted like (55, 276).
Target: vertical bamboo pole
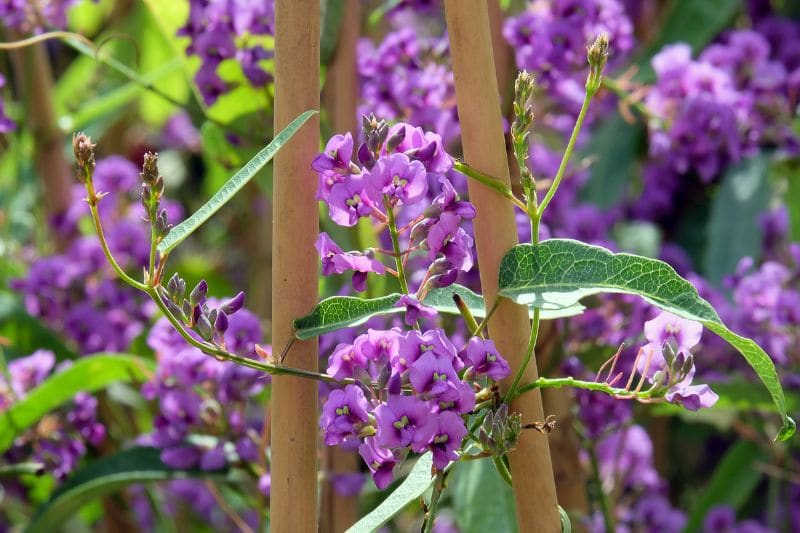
(495, 232)
(32, 68)
(340, 512)
(295, 226)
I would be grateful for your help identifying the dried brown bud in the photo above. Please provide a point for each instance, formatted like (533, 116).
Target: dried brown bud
(84, 154)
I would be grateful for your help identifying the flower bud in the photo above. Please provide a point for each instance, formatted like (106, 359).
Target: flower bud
(234, 304)
(149, 173)
(597, 55)
(198, 294)
(221, 323)
(394, 141)
(172, 285)
(365, 157)
(203, 327)
(84, 154)
(423, 153)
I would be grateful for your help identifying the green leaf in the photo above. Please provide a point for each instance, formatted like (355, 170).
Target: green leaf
(332, 14)
(733, 230)
(101, 477)
(233, 185)
(482, 501)
(559, 272)
(732, 483)
(87, 374)
(412, 488)
(441, 299)
(339, 312)
(692, 22)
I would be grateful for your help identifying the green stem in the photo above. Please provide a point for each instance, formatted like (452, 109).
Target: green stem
(528, 356)
(502, 469)
(438, 487)
(398, 258)
(492, 183)
(605, 505)
(565, 158)
(151, 268)
(558, 383)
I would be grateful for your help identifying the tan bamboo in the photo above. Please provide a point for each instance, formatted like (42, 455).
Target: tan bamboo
(293, 501)
(32, 68)
(495, 232)
(339, 512)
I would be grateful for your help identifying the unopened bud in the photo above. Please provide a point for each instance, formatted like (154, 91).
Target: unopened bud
(198, 294)
(221, 323)
(84, 154)
(149, 173)
(396, 139)
(203, 327)
(597, 55)
(234, 304)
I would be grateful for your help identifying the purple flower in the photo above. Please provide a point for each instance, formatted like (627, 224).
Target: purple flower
(380, 461)
(446, 237)
(399, 178)
(6, 124)
(343, 414)
(181, 457)
(28, 372)
(423, 146)
(448, 433)
(404, 421)
(344, 360)
(447, 202)
(627, 454)
(692, 397)
(666, 326)
(414, 309)
(413, 344)
(336, 156)
(348, 201)
(335, 261)
(433, 376)
(483, 356)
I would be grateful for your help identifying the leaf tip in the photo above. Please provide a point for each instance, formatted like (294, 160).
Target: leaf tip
(787, 431)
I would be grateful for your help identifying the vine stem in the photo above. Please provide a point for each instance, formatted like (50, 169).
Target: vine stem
(562, 168)
(494, 183)
(438, 487)
(605, 505)
(557, 383)
(511, 393)
(395, 236)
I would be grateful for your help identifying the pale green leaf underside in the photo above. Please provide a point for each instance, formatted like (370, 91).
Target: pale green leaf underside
(87, 374)
(339, 312)
(232, 186)
(101, 477)
(557, 273)
(412, 488)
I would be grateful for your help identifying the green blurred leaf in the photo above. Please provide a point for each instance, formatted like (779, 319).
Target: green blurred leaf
(26, 333)
(613, 148)
(332, 14)
(732, 483)
(101, 477)
(559, 272)
(692, 22)
(232, 186)
(638, 237)
(412, 488)
(482, 501)
(87, 374)
(733, 230)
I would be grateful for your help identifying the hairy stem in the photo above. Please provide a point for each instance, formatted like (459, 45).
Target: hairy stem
(395, 236)
(511, 393)
(438, 487)
(489, 181)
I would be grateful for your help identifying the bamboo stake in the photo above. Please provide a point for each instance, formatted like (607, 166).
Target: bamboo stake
(293, 501)
(339, 512)
(495, 232)
(32, 68)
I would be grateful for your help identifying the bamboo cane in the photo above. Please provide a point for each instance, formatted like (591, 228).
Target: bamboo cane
(495, 232)
(339, 511)
(293, 501)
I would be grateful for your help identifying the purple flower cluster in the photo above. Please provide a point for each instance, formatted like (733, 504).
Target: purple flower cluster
(62, 437)
(723, 518)
(75, 291)
(34, 16)
(408, 77)
(550, 39)
(414, 389)
(396, 167)
(738, 96)
(229, 29)
(6, 123)
(203, 403)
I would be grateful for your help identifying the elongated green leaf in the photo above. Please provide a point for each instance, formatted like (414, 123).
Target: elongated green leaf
(233, 185)
(732, 483)
(101, 477)
(557, 273)
(332, 15)
(88, 374)
(339, 312)
(482, 501)
(413, 487)
(733, 230)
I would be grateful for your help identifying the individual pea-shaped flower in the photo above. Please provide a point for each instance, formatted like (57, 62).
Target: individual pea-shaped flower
(483, 357)
(380, 461)
(404, 421)
(415, 310)
(349, 201)
(423, 146)
(448, 433)
(667, 332)
(336, 156)
(448, 238)
(692, 397)
(335, 261)
(378, 348)
(344, 414)
(414, 344)
(433, 376)
(399, 178)
(344, 361)
(463, 403)
(447, 202)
